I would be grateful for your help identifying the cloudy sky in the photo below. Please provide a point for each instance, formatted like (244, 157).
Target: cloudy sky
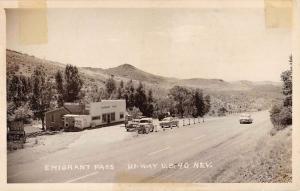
(230, 44)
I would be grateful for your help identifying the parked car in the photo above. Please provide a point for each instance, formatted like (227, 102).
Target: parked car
(246, 118)
(145, 125)
(132, 125)
(169, 122)
(128, 119)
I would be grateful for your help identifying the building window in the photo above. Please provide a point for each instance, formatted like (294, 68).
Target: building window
(96, 118)
(121, 115)
(104, 118)
(52, 118)
(113, 116)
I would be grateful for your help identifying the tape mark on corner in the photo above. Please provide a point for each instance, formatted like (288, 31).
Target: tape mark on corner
(33, 23)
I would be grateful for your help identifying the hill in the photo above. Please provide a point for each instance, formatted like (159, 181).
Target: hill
(235, 96)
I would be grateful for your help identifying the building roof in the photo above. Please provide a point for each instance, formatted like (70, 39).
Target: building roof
(113, 100)
(57, 109)
(71, 115)
(75, 108)
(79, 108)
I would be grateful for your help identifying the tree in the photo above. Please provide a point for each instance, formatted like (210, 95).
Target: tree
(287, 88)
(189, 104)
(164, 106)
(110, 86)
(207, 104)
(281, 114)
(18, 89)
(222, 111)
(121, 91)
(18, 94)
(59, 88)
(73, 84)
(23, 113)
(129, 94)
(41, 96)
(134, 112)
(179, 94)
(150, 104)
(121, 84)
(199, 103)
(131, 97)
(141, 99)
(94, 94)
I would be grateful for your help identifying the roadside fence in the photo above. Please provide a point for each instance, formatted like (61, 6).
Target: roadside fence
(187, 121)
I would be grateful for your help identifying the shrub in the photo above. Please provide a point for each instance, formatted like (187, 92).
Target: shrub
(281, 116)
(274, 114)
(286, 116)
(161, 116)
(135, 112)
(222, 111)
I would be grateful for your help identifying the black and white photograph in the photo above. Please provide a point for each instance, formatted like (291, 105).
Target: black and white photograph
(149, 95)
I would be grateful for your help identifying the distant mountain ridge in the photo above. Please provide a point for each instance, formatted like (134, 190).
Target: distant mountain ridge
(223, 92)
(131, 72)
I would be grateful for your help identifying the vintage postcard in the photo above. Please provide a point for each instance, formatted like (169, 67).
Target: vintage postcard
(150, 95)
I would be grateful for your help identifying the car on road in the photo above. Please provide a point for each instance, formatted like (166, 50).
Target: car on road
(132, 125)
(145, 125)
(245, 118)
(169, 122)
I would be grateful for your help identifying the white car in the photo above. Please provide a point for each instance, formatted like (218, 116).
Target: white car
(169, 122)
(246, 118)
(132, 125)
(145, 125)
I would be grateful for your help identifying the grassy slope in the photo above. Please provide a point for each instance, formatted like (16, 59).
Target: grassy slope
(271, 163)
(24, 64)
(248, 95)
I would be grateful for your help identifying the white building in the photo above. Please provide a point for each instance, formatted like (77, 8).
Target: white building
(102, 113)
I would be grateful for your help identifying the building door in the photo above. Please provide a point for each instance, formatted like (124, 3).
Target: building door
(108, 118)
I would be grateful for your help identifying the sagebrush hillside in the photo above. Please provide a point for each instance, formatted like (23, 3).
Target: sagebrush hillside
(234, 96)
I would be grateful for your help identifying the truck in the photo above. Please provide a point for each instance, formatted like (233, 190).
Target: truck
(83, 122)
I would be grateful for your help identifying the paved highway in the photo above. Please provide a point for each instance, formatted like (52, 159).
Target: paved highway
(196, 153)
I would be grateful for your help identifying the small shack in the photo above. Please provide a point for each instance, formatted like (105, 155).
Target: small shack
(55, 119)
